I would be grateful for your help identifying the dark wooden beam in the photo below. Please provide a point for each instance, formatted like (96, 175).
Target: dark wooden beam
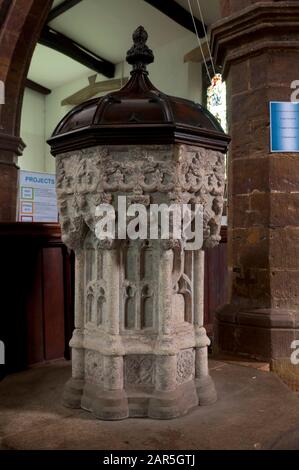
(36, 87)
(178, 14)
(4, 7)
(62, 8)
(61, 43)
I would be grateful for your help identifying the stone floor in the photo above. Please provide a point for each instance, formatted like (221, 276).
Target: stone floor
(255, 410)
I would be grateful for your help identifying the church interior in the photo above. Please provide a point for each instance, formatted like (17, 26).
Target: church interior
(149, 343)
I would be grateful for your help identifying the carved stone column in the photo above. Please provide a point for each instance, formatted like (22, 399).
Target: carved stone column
(257, 44)
(139, 347)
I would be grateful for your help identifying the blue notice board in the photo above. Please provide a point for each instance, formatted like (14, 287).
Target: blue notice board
(284, 126)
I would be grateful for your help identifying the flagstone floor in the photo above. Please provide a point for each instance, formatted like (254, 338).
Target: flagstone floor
(255, 410)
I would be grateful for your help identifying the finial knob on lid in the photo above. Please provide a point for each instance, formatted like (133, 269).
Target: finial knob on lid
(140, 55)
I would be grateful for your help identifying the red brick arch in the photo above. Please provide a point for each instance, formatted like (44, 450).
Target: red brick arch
(20, 24)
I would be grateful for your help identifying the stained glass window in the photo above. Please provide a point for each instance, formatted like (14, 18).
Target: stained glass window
(216, 104)
(216, 100)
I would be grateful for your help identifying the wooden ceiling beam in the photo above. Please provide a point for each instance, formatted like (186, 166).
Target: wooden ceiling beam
(178, 14)
(37, 87)
(62, 8)
(61, 43)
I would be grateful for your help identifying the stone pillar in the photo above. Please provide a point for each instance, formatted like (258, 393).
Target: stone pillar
(257, 44)
(10, 148)
(139, 345)
(203, 380)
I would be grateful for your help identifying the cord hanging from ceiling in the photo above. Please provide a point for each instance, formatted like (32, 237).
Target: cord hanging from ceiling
(206, 36)
(199, 41)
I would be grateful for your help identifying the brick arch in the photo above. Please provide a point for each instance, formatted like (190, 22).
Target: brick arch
(20, 24)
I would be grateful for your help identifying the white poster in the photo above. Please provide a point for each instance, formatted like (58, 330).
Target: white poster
(37, 197)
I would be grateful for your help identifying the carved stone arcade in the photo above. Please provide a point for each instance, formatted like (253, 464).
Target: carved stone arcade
(139, 348)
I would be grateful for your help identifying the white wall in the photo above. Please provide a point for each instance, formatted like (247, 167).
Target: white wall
(55, 112)
(33, 131)
(169, 73)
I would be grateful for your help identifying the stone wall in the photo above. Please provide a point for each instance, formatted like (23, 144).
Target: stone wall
(258, 49)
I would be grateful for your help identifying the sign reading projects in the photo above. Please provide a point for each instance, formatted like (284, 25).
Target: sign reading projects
(284, 126)
(37, 197)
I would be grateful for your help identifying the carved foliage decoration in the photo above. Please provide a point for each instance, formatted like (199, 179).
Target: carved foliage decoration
(185, 365)
(92, 176)
(139, 370)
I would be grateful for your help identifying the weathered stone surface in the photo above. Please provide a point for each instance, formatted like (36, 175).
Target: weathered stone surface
(250, 248)
(234, 84)
(172, 174)
(284, 248)
(239, 211)
(284, 175)
(256, 210)
(228, 7)
(272, 68)
(249, 138)
(248, 105)
(264, 204)
(139, 346)
(285, 289)
(284, 209)
(250, 174)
